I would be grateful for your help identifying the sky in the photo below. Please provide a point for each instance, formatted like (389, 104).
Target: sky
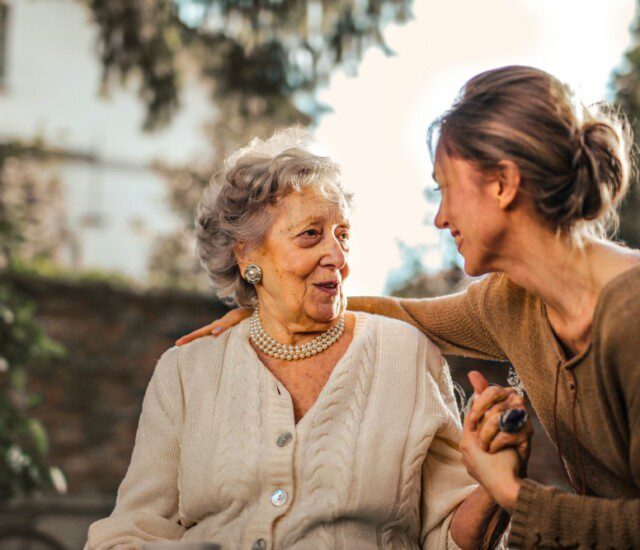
(377, 129)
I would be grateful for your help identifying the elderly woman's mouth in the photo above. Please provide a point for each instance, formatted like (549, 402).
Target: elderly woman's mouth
(330, 288)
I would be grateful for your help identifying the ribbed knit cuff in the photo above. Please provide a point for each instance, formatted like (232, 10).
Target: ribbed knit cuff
(522, 518)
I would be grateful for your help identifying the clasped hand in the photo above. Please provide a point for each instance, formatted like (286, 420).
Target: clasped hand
(494, 458)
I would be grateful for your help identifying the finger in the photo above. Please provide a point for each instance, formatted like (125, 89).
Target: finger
(230, 319)
(513, 401)
(488, 431)
(237, 315)
(204, 331)
(524, 450)
(484, 401)
(503, 440)
(478, 381)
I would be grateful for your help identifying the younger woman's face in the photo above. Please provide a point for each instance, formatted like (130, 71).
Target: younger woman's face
(470, 210)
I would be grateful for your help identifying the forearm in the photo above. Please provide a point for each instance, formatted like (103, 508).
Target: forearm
(381, 305)
(546, 514)
(478, 522)
(452, 322)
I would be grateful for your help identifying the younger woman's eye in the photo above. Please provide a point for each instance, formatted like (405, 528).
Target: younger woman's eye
(437, 188)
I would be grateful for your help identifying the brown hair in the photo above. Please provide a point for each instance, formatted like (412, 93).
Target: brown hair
(574, 161)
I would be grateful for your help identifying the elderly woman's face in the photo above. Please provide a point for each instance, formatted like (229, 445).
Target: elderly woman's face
(304, 259)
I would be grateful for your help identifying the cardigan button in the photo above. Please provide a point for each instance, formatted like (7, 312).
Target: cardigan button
(284, 439)
(260, 544)
(279, 497)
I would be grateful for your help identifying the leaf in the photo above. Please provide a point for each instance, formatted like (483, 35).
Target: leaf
(39, 436)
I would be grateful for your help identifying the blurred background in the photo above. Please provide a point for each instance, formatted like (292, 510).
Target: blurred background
(114, 114)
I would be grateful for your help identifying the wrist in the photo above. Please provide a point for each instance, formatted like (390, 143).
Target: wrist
(506, 494)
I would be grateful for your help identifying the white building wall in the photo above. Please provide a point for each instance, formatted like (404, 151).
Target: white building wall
(51, 92)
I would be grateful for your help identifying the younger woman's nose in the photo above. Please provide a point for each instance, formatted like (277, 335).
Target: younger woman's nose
(440, 220)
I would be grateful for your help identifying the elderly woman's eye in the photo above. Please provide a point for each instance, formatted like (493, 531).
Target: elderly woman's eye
(310, 233)
(344, 235)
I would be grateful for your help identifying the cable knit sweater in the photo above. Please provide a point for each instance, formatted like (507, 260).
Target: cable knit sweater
(588, 404)
(373, 464)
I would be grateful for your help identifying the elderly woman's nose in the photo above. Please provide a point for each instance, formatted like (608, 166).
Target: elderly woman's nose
(334, 254)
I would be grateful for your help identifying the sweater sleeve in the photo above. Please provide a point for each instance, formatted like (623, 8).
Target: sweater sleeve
(147, 502)
(445, 481)
(459, 324)
(551, 518)
(547, 516)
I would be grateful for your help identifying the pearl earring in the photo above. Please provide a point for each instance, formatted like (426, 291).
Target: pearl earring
(252, 274)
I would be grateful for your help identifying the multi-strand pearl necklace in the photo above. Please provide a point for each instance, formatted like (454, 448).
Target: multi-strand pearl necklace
(268, 345)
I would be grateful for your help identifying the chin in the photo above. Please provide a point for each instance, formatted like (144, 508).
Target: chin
(326, 313)
(474, 269)
(469, 270)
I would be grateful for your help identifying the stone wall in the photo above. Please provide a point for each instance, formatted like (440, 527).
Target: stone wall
(93, 397)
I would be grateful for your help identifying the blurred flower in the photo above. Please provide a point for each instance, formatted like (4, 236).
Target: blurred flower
(7, 315)
(58, 479)
(16, 459)
(4, 364)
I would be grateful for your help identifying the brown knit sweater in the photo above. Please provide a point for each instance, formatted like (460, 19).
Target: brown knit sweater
(596, 425)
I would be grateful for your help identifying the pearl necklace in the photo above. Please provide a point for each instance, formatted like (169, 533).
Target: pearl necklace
(268, 345)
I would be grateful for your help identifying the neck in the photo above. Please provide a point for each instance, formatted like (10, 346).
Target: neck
(294, 329)
(567, 278)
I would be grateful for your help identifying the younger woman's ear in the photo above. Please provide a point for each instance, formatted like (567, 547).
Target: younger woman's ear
(508, 175)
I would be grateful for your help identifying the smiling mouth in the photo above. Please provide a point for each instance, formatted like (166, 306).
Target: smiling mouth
(330, 288)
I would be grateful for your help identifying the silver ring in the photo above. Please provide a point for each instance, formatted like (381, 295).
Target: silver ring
(512, 420)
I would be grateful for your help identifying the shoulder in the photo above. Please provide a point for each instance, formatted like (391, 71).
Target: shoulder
(498, 289)
(616, 333)
(389, 328)
(620, 295)
(617, 313)
(202, 354)
(400, 341)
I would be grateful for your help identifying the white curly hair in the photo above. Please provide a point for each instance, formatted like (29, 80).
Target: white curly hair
(233, 208)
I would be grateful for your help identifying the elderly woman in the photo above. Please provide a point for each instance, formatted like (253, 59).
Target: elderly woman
(296, 428)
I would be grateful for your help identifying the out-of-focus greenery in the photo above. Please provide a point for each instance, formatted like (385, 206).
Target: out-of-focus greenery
(263, 60)
(626, 81)
(24, 346)
(264, 55)
(44, 267)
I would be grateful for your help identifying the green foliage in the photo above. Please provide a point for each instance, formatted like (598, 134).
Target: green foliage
(263, 60)
(626, 82)
(271, 49)
(46, 267)
(23, 346)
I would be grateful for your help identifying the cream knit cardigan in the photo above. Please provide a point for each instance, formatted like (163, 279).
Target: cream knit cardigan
(373, 464)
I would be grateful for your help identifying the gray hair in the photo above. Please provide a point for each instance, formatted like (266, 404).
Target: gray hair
(235, 205)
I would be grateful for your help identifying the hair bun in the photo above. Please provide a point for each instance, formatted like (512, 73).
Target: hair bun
(574, 160)
(600, 171)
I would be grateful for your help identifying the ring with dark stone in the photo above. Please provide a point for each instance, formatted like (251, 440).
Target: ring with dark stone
(512, 420)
